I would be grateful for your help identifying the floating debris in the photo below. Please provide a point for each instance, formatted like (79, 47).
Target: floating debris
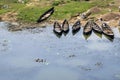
(98, 64)
(4, 45)
(40, 60)
(86, 68)
(70, 56)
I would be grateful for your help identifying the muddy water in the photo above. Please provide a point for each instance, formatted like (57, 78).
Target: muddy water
(38, 54)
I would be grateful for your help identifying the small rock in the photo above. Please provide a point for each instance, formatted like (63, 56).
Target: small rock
(15, 24)
(86, 14)
(5, 6)
(21, 1)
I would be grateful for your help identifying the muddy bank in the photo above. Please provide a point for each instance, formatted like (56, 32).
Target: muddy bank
(14, 24)
(18, 26)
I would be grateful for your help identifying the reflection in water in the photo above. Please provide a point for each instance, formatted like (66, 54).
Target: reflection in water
(87, 35)
(65, 33)
(42, 56)
(74, 32)
(109, 37)
(58, 35)
(98, 34)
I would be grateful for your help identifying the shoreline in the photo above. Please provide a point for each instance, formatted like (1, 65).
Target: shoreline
(111, 18)
(19, 26)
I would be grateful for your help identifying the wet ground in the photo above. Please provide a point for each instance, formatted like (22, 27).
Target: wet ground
(38, 54)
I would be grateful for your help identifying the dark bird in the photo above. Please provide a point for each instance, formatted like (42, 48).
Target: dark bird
(57, 28)
(46, 15)
(76, 27)
(65, 26)
(107, 30)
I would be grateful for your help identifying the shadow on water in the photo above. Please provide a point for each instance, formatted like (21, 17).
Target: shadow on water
(65, 32)
(98, 34)
(110, 38)
(86, 36)
(75, 32)
(57, 35)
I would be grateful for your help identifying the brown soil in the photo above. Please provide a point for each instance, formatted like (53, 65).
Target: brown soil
(21, 26)
(113, 23)
(10, 16)
(111, 16)
(95, 10)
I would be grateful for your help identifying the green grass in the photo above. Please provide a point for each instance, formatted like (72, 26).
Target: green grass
(64, 10)
(101, 3)
(70, 9)
(61, 12)
(31, 13)
(11, 7)
(12, 1)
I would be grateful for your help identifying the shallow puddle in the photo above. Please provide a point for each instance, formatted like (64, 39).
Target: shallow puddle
(38, 54)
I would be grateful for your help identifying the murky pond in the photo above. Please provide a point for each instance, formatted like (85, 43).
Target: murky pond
(37, 54)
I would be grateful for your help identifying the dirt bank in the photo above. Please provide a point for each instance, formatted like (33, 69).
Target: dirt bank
(111, 18)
